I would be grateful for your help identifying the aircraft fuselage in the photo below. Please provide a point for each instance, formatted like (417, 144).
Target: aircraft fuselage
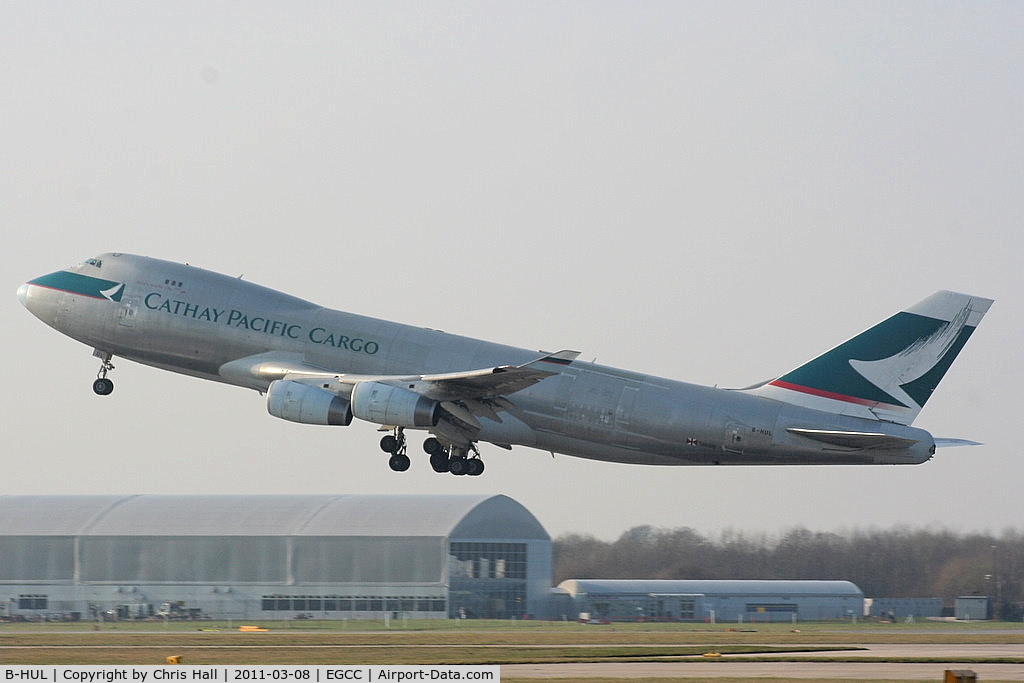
(196, 322)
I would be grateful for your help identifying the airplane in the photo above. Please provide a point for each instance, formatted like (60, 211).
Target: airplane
(851, 405)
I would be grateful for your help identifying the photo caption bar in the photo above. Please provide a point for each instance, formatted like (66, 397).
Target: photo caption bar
(239, 674)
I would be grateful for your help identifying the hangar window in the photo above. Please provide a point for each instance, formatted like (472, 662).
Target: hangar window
(430, 604)
(487, 560)
(32, 602)
(758, 607)
(307, 603)
(400, 604)
(345, 603)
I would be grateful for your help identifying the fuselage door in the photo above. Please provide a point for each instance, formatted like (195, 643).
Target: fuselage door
(740, 438)
(734, 433)
(129, 310)
(624, 410)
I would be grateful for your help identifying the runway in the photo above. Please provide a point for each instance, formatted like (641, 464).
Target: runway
(730, 667)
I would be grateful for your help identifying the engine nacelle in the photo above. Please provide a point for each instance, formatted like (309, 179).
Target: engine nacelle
(307, 404)
(389, 405)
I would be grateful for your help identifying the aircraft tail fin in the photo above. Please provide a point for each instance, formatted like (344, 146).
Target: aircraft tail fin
(889, 371)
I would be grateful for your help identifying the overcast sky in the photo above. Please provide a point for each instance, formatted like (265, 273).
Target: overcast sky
(711, 192)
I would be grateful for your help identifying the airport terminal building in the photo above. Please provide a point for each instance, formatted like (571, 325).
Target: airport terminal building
(272, 557)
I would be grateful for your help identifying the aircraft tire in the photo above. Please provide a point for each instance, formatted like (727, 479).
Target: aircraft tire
(399, 463)
(389, 444)
(475, 467)
(103, 386)
(457, 466)
(439, 462)
(432, 446)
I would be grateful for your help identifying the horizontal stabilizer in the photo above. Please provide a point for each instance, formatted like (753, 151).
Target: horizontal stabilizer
(859, 440)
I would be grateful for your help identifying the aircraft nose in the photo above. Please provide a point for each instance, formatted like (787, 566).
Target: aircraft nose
(23, 294)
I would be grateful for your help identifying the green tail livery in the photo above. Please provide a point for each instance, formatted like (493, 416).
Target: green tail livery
(889, 371)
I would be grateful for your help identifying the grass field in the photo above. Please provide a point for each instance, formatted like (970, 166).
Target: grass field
(466, 642)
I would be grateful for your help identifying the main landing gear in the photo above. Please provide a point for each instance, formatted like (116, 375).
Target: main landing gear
(443, 459)
(453, 458)
(103, 386)
(395, 445)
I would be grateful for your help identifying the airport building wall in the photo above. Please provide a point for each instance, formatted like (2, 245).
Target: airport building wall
(695, 600)
(903, 608)
(972, 607)
(280, 557)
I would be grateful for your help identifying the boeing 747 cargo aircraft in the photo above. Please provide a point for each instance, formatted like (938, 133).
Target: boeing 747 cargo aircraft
(851, 405)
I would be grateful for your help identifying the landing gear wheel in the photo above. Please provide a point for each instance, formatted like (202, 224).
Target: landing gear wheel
(474, 467)
(103, 386)
(432, 446)
(439, 462)
(457, 466)
(399, 462)
(390, 444)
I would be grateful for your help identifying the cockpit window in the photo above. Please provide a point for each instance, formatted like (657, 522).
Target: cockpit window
(94, 262)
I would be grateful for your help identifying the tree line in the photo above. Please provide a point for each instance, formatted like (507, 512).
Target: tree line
(896, 563)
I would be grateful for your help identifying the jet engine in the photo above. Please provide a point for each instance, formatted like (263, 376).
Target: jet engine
(390, 405)
(307, 404)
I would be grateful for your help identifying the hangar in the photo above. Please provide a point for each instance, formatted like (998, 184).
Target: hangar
(309, 556)
(695, 600)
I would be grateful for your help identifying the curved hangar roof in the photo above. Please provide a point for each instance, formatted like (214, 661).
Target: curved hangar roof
(457, 516)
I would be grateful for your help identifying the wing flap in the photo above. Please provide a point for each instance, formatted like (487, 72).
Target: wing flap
(857, 440)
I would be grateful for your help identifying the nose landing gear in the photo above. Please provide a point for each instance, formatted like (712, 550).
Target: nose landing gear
(103, 386)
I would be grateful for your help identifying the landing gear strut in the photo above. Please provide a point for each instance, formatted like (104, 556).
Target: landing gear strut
(103, 386)
(395, 445)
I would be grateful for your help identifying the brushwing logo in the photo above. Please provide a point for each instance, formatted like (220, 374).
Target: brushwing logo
(114, 293)
(913, 362)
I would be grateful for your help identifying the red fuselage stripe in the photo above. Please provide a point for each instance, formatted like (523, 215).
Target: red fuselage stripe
(826, 394)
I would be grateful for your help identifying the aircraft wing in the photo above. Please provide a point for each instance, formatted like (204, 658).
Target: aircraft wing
(463, 396)
(261, 369)
(492, 382)
(858, 440)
